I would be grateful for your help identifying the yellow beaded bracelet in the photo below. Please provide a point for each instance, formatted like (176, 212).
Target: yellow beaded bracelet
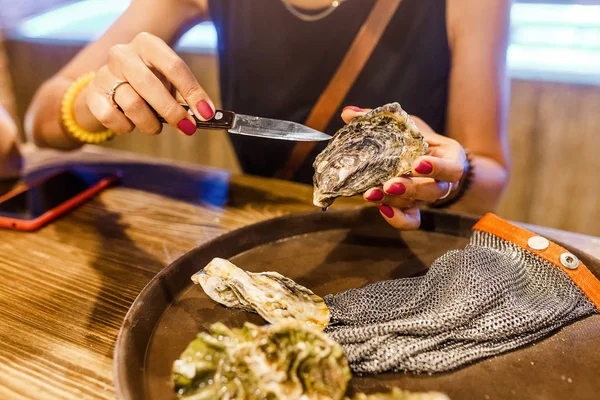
(68, 119)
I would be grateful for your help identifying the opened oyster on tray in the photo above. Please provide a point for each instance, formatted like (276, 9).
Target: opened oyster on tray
(365, 153)
(287, 360)
(273, 296)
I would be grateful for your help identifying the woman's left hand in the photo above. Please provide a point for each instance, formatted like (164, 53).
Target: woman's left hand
(434, 175)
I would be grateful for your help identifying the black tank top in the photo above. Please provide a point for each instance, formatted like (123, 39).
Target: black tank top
(273, 64)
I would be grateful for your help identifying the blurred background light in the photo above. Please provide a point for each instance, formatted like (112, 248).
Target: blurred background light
(550, 42)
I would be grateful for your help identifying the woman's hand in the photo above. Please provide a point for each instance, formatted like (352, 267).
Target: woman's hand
(434, 176)
(155, 77)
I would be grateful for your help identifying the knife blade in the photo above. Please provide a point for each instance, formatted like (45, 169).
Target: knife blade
(241, 124)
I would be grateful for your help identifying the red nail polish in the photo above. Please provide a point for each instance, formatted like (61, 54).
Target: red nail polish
(424, 168)
(353, 108)
(396, 189)
(375, 195)
(387, 210)
(205, 110)
(186, 126)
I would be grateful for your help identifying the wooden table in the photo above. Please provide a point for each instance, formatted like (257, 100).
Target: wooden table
(65, 289)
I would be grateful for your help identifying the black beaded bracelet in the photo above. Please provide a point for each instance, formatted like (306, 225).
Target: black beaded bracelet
(463, 185)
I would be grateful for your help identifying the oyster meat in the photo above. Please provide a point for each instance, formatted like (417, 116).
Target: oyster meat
(272, 295)
(287, 360)
(365, 153)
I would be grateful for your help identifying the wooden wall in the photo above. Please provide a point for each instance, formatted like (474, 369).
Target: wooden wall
(555, 145)
(553, 134)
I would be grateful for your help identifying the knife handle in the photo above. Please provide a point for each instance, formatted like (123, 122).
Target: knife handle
(221, 120)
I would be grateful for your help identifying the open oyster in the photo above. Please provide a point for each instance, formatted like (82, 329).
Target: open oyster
(365, 153)
(288, 360)
(273, 296)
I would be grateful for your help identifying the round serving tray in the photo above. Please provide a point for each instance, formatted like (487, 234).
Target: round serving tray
(327, 252)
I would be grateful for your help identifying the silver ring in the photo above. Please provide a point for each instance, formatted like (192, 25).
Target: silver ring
(450, 185)
(113, 90)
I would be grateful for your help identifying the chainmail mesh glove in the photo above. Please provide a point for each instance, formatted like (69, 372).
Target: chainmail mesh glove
(495, 295)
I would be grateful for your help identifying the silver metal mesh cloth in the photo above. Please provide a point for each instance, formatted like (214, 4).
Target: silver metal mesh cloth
(486, 299)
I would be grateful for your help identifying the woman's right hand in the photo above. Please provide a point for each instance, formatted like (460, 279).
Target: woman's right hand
(155, 77)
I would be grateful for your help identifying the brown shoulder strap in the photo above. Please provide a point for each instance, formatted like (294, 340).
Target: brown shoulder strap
(355, 59)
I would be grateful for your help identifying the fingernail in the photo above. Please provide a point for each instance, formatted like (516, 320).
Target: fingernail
(396, 189)
(375, 195)
(205, 110)
(386, 210)
(186, 126)
(353, 108)
(424, 168)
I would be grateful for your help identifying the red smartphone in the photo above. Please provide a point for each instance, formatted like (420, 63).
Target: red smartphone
(33, 205)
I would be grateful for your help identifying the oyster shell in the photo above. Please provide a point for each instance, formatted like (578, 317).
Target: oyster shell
(273, 296)
(365, 153)
(287, 360)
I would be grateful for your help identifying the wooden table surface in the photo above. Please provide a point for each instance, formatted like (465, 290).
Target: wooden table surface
(65, 289)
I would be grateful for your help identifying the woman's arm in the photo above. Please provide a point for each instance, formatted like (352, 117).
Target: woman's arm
(165, 19)
(479, 89)
(10, 156)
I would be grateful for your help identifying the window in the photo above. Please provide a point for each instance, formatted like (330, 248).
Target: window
(555, 42)
(13, 11)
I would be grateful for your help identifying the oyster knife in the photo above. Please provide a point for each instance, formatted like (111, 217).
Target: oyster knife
(257, 126)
